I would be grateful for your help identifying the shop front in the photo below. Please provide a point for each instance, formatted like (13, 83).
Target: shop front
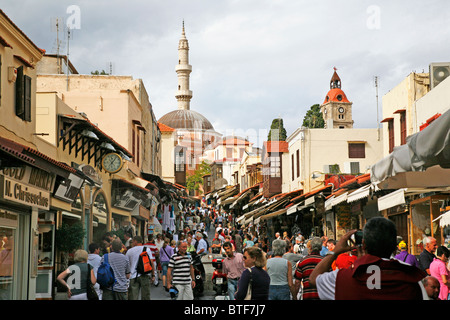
(30, 186)
(424, 221)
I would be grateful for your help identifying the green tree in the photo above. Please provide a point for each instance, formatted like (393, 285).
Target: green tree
(277, 131)
(314, 118)
(69, 238)
(194, 180)
(96, 73)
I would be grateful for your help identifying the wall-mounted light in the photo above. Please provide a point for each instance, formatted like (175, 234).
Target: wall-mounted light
(124, 156)
(106, 145)
(89, 134)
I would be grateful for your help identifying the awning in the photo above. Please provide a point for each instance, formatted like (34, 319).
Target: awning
(72, 215)
(390, 200)
(335, 200)
(329, 203)
(424, 149)
(293, 209)
(274, 214)
(359, 194)
(444, 219)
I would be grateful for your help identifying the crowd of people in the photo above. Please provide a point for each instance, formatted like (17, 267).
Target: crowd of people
(289, 268)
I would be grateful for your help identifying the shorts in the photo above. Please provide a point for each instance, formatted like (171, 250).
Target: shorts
(164, 266)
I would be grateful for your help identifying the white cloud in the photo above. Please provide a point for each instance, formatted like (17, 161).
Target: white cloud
(252, 60)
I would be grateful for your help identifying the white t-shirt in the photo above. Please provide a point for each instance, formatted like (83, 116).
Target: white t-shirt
(133, 256)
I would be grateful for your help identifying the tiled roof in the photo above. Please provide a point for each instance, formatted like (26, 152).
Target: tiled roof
(165, 128)
(276, 146)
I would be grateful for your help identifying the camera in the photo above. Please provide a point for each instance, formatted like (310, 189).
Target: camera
(356, 238)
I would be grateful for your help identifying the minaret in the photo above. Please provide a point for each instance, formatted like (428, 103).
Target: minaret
(183, 69)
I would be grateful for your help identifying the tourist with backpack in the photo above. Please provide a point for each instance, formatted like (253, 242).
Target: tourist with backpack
(143, 268)
(120, 266)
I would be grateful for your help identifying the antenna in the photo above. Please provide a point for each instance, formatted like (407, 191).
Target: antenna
(376, 94)
(67, 57)
(55, 25)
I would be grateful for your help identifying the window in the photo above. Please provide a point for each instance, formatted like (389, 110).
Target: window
(275, 167)
(292, 168)
(403, 128)
(356, 150)
(23, 95)
(229, 152)
(298, 163)
(179, 161)
(391, 135)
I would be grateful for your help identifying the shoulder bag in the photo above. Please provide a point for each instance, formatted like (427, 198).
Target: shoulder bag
(90, 290)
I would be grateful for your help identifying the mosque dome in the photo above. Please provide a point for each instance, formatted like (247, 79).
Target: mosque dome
(186, 119)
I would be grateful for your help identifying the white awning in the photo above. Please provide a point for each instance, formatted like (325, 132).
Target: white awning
(444, 219)
(339, 199)
(329, 203)
(72, 215)
(392, 199)
(292, 209)
(360, 193)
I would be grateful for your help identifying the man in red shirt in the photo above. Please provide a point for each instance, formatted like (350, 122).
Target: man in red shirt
(375, 275)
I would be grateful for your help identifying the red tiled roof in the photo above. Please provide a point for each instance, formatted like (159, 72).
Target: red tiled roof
(234, 141)
(276, 146)
(17, 149)
(311, 193)
(165, 128)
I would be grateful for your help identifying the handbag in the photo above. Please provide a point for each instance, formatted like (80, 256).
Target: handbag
(90, 290)
(248, 296)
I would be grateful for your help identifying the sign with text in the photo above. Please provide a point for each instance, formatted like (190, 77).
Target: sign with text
(18, 192)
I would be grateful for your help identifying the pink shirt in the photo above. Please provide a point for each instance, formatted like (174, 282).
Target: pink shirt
(438, 268)
(233, 267)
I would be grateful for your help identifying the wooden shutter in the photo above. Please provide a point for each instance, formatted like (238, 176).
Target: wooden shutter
(27, 98)
(20, 106)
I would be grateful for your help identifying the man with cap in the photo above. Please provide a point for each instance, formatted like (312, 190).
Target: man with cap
(406, 257)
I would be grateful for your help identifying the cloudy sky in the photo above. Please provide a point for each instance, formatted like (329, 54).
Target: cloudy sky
(252, 60)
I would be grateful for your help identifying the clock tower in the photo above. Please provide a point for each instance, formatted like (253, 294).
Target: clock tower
(336, 109)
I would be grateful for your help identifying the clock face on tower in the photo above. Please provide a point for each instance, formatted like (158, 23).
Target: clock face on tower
(341, 110)
(112, 162)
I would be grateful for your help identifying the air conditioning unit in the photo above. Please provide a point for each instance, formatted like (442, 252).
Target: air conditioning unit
(331, 168)
(351, 168)
(439, 71)
(127, 201)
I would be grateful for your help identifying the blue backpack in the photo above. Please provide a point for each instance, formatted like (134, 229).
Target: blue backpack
(105, 274)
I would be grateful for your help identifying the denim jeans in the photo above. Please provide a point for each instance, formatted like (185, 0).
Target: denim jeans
(279, 292)
(232, 287)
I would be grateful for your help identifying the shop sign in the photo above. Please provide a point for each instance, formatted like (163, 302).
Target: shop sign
(18, 192)
(32, 176)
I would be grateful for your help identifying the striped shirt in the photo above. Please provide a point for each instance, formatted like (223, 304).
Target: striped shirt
(302, 272)
(181, 268)
(121, 267)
